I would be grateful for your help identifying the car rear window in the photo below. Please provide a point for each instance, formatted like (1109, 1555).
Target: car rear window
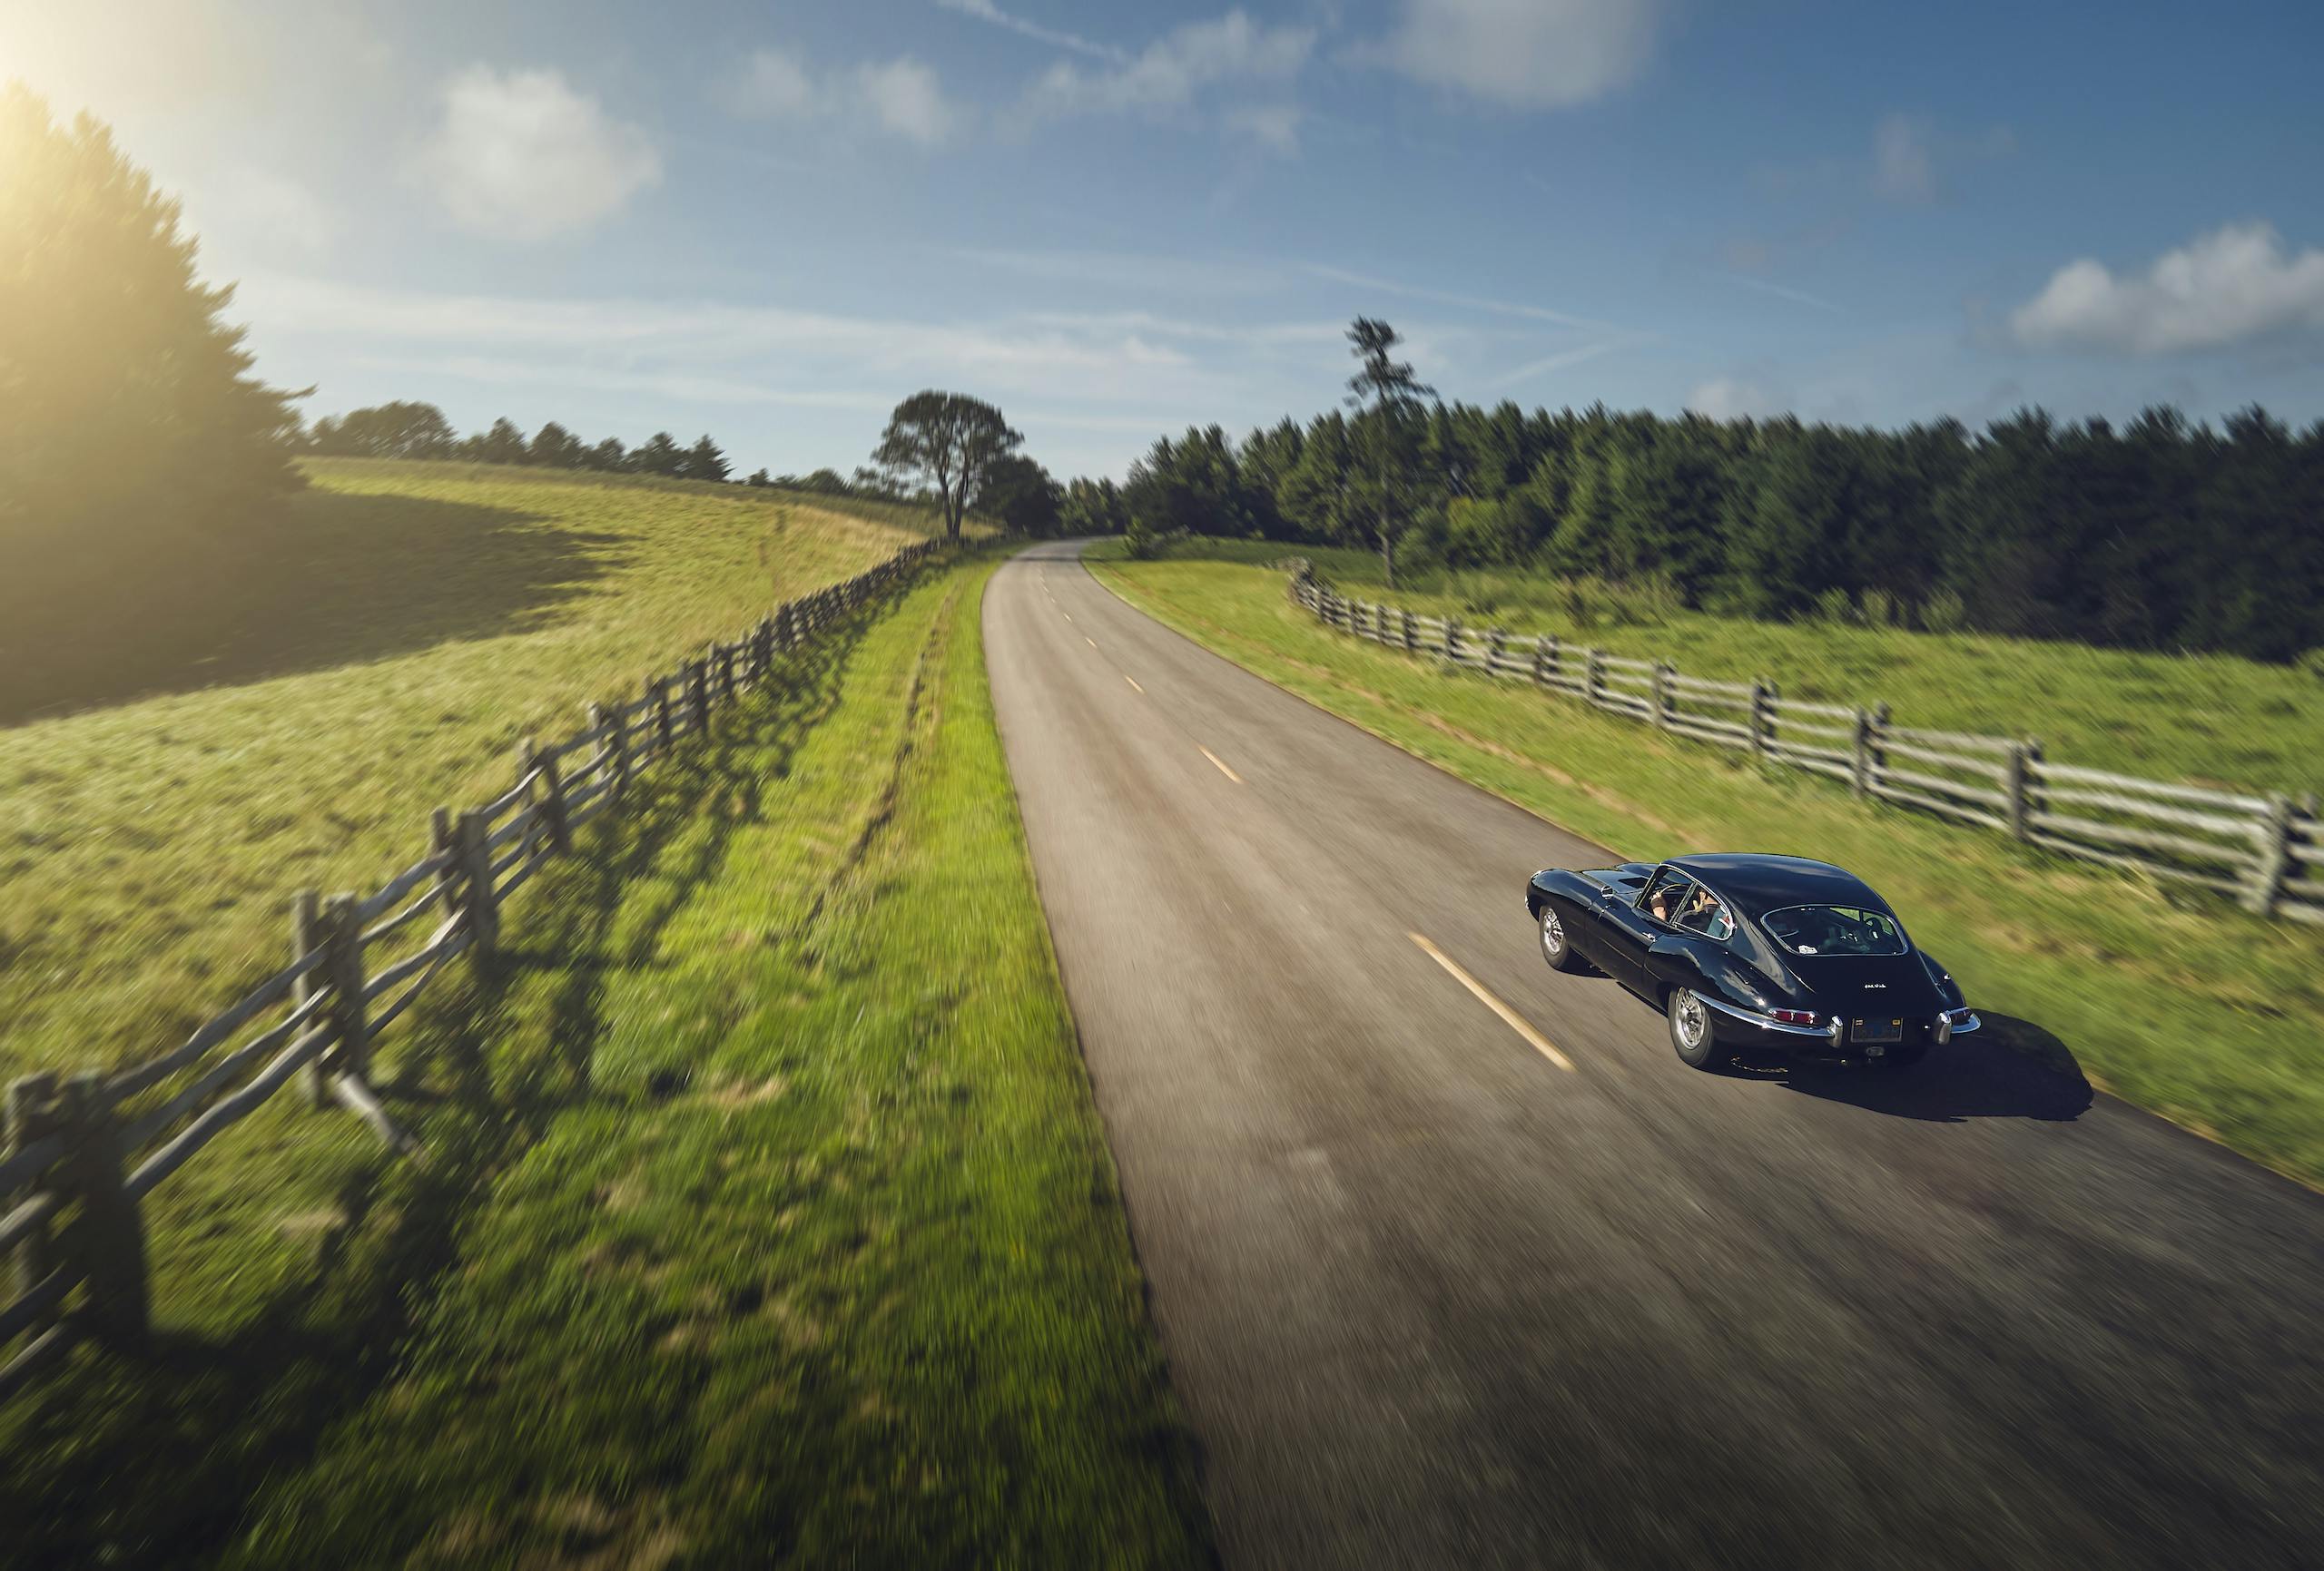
(1833, 930)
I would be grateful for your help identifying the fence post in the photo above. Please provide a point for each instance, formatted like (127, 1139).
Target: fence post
(657, 693)
(726, 672)
(441, 842)
(2013, 789)
(698, 687)
(1876, 741)
(1412, 633)
(308, 935)
(609, 748)
(1495, 642)
(1860, 776)
(549, 791)
(475, 835)
(1593, 677)
(2273, 865)
(343, 940)
(33, 1114)
(110, 1235)
(1662, 674)
(1763, 718)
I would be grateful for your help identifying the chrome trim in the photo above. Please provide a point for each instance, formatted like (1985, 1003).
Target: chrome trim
(1961, 1021)
(1764, 1022)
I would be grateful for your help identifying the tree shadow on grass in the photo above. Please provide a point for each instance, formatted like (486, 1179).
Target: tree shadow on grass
(155, 1458)
(334, 579)
(2010, 1069)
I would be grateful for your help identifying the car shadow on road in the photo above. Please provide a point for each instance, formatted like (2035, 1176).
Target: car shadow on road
(2011, 1069)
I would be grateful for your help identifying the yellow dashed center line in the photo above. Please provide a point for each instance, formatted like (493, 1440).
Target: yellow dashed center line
(1509, 1016)
(1214, 757)
(1132, 681)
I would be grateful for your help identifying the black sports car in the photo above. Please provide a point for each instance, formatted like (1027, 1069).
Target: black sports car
(1741, 951)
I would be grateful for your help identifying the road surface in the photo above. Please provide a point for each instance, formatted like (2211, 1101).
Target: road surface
(1456, 1264)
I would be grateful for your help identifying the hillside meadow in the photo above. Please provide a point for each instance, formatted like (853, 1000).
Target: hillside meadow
(377, 651)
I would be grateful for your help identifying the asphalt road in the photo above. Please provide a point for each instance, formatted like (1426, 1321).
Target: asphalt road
(1448, 1279)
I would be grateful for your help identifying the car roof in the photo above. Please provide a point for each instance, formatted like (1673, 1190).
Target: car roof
(1760, 883)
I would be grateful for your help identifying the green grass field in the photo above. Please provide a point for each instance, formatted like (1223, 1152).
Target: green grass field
(2191, 1008)
(414, 623)
(767, 1218)
(2212, 719)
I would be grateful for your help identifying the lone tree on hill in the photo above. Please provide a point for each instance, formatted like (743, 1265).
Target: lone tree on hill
(1386, 395)
(949, 441)
(134, 441)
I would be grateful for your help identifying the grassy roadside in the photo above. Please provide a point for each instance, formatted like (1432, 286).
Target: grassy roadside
(769, 1223)
(2197, 1012)
(2210, 717)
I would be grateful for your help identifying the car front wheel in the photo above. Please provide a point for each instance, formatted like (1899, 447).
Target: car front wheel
(1557, 949)
(1691, 1032)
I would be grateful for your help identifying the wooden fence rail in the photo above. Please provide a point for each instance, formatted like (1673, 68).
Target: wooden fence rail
(2267, 852)
(80, 1155)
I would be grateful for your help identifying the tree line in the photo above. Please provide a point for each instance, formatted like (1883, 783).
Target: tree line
(408, 429)
(2163, 532)
(948, 450)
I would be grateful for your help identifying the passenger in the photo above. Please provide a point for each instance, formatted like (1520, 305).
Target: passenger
(1702, 913)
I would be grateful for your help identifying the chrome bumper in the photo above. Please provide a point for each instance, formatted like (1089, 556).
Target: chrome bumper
(1951, 1024)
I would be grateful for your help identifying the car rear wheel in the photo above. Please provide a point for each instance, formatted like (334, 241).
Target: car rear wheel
(1557, 949)
(1691, 1034)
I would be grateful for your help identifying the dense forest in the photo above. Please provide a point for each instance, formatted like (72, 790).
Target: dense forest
(2160, 533)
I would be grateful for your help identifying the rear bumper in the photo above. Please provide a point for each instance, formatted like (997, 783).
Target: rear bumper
(1736, 1026)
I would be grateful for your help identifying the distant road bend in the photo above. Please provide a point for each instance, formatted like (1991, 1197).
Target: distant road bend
(1457, 1265)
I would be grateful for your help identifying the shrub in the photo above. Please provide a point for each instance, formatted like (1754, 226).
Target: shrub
(1945, 612)
(1836, 607)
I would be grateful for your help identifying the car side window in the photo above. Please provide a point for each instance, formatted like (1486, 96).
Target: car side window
(1668, 896)
(1704, 914)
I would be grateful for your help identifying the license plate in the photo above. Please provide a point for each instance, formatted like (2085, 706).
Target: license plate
(1877, 1030)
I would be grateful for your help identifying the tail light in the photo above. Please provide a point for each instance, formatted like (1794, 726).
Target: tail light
(1792, 1016)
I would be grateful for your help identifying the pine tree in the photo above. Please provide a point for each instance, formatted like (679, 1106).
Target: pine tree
(658, 454)
(703, 461)
(133, 440)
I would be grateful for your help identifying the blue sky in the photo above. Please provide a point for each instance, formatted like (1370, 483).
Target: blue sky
(771, 221)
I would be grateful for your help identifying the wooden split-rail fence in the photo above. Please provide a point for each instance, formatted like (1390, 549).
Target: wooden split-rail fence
(2264, 849)
(82, 1153)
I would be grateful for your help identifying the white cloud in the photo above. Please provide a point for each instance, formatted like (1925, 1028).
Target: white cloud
(904, 98)
(522, 155)
(1732, 398)
(1274, 126)
(986, 11)
(1547, 363)
(1447, 298)
(769, 84)
(1523, 53)
(1171, 72)
(2234, 286)
(1903, 166)
(713, 345)
(900, 97)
